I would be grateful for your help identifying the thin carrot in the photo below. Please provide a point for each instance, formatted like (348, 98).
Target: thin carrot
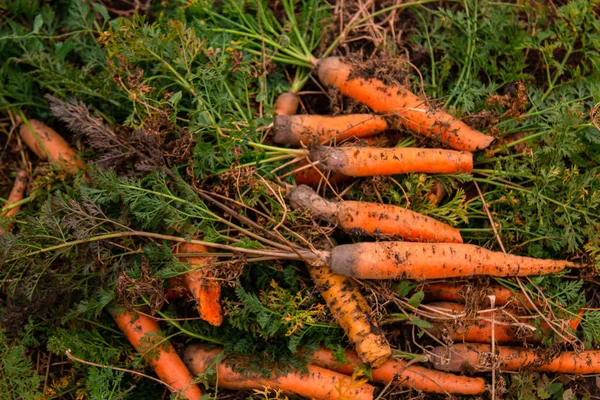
(312, 177)
(362, 218)
(351, 311)
(286, 104)
(405, 260)
(317, 383)
(459, 292)
(372, 161)
(206, 291)
(46, 143)
(402, 374)
(145, 336)
(16, 195)
(473, 357)
(294, 130)
(412, 111)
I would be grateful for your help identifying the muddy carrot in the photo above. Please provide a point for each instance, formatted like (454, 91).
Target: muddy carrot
(401, 374)
(362, 218)
(372, 161)
(472, 357)
(16, 195)
(351, 311)
(46, 143)
(405, 260)
(316, 383)
(308, 129)
(206, 291)
(411, 111)
(145, 336)
(457, 292)
(286, 104)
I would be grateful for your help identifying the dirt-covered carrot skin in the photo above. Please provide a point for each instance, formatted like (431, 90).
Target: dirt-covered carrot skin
(372, 161)
(294, 130)
(145, 336)
(46, 143)
(375, 219)
(206, 291)
(455, 292)
(318, 383)
(351, 311)
(475, 357)
(286, 104)
(420, 261)
(402, 374)
(412, 111)
(16, 194)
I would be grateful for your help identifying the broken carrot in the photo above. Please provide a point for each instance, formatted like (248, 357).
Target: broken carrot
(317, 383)
(16, 195)
(411, 111)
(286, 104)
(362, 218)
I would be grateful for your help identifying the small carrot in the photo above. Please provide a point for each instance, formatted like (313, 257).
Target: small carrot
(400, 373)
(312, 177)
(436, 193)
(351, 311)
(372, 161)
(294, 130)
(456, 292)
(317, 383)
(16, 195)
(286, 104)
(46, 143)
(472, 357)
(405, 260)
(411, 110)
(145, 336)
(361, 218)
(206, 291)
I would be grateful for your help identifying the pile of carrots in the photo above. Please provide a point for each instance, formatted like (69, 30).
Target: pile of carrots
(413, 246)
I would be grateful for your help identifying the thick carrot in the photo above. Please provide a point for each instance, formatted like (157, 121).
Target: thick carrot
(372, 161)
(46, 143)
(16, 195)
(362, 218)
(411, 110)
(405, 260)
(145, 336)
(206, 291)
(351, 311)
(401, 374)
(473, 357)
(449, 291)
(317, 383)
(286, 104)
(294, 130)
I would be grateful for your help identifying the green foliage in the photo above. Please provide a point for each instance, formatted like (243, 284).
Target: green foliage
(18, 379)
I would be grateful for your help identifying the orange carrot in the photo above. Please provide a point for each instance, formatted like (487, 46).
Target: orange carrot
(411, 110)
(46, 143)
(476, 358)
(310, 176)
(362, 218)
(145, 336)
(402, 374)
(449, 291)
(437, 193)
(294, 130)
(317, 383)
(351, 311)
(286, 104)
(372, 161)
(405, 260)
(16, 195)
(206, 291)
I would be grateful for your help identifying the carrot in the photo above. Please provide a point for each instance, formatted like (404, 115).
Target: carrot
(351, 311)
(312, 177)
(16, 195)
(362, 218)
(405, 260)
(206, 291)
(294, 130)
(436, 193)
(145, 336)
(402, 374)
(317, 383)
(476, 358)
(371, 161)
(411, 110)
(286, 104)
(46, 143)
(448, 291)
